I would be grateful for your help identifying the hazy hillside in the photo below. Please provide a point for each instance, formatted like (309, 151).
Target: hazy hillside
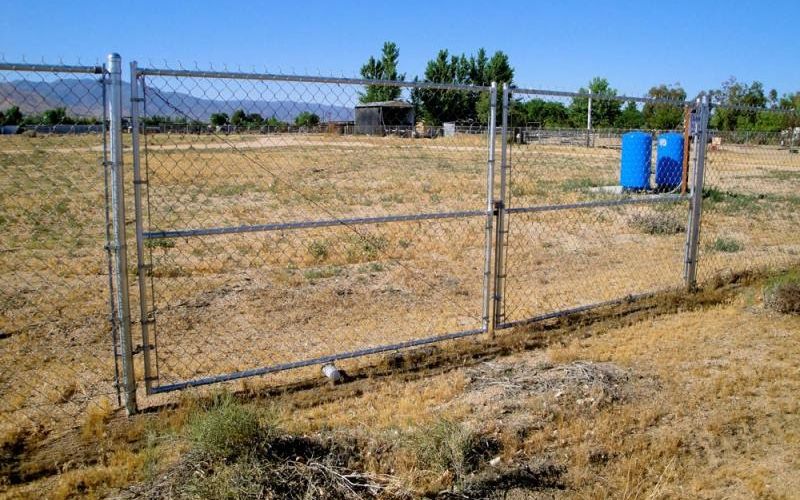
(83, 97)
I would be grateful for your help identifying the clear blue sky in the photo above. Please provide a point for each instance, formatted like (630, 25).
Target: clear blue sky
(552, 44)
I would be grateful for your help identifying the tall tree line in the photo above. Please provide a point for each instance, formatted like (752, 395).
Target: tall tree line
(438, 106)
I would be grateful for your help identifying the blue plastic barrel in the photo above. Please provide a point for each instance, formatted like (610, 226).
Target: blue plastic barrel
(635, 164)
(669, 160)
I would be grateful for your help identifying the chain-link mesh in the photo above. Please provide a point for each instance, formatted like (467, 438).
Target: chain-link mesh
(55, 341)
(751, 198)
(287, 220)
(593, 214)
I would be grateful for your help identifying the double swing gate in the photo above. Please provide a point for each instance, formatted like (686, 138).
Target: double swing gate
(256, 223)
(269, 241)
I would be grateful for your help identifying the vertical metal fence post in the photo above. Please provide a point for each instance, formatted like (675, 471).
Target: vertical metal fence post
(589, 124)
(118, 221)
(138, 216)
(696, 206)
(487, 253)
(500, 209)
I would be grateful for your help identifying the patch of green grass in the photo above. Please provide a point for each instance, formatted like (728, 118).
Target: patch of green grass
(731, 203)
(322, 272)
(726, 245)
(160, 243)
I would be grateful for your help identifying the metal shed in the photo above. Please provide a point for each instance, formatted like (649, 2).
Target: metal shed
(385, 117)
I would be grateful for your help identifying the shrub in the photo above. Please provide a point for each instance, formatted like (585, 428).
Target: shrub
(227, 430)
(782, 293)
(318, 250)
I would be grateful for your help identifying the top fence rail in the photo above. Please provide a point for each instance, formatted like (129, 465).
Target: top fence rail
(51, 68)
(587, 95)
(274, 77)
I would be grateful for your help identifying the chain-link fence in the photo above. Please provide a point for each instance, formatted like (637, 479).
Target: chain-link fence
(751, 197)
(276, 222)
(56, 354)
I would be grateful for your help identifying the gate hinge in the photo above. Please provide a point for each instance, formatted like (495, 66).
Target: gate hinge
(137, 99)
(140, 181)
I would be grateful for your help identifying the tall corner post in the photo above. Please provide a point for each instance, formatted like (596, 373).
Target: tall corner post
(487, 323)
(141, 266)
(696, 197)
(500, 212)
(120, 248)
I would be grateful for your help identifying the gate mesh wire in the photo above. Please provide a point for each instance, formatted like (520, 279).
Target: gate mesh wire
(236, 301)
(564, 254)
(750, 201)
(56, 354)
(232, 301)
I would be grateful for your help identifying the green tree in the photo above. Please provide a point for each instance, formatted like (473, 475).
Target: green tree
(497, 69)
(542, 113)
(735, 93)
(238, 118)
(255, 119)
(56, 116)
(219, 119)
(439, 106)
(306, 119)
(605, 111)
(12, 116)
(630, 117)
(664, 116)
(384, 68)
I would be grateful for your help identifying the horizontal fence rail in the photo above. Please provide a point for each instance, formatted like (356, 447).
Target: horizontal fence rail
(182, 233)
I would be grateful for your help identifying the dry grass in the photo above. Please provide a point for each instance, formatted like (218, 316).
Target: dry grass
(696, 403)
(235, 302)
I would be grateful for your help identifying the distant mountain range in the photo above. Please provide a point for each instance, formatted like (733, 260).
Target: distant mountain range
(83, 97)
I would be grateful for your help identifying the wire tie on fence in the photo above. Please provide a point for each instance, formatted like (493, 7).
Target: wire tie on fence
(137, 99)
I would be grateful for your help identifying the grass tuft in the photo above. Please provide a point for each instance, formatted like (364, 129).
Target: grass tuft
(782, 293)
(227, 430)
(447, 448)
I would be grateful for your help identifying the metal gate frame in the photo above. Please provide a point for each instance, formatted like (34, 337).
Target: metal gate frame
(147, 314)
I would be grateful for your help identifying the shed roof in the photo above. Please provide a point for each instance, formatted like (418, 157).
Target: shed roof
(385, 104)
